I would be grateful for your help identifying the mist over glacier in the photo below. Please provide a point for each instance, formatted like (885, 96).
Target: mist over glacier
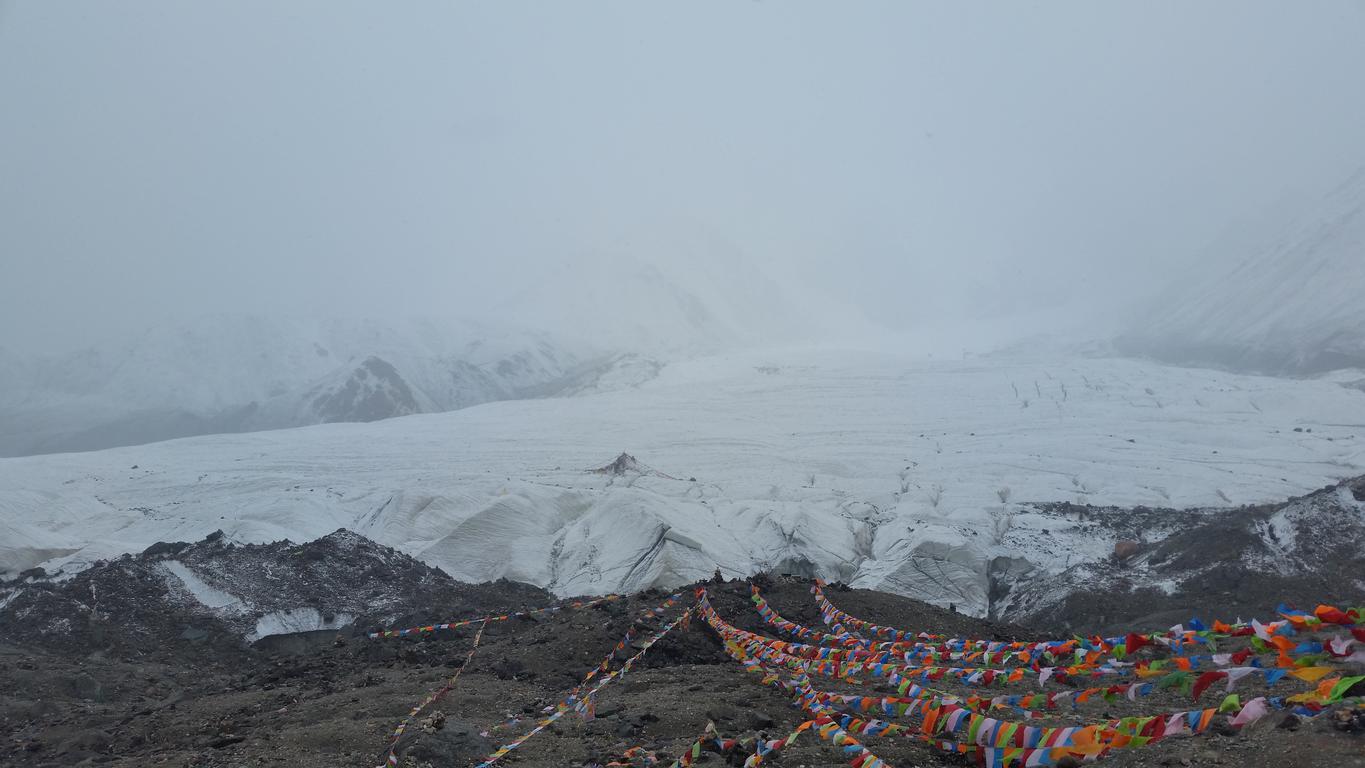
(935, 170)
(868, 287)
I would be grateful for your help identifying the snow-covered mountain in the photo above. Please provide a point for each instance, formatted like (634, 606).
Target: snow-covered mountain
(925, 479)
(1295, 306)
(614, 320)
(242, 373)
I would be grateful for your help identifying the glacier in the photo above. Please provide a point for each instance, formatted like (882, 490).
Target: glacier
(908, 475)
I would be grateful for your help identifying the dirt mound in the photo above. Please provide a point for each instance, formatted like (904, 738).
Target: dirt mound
(626, 465)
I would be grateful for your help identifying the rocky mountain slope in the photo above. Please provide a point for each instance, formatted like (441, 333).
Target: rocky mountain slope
(217, 593)
(1167, 565)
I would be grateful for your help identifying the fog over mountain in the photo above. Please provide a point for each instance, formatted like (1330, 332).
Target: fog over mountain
(1290, 304)
(253, 216)
(1009, 320)
(926, 167)
(239, 373)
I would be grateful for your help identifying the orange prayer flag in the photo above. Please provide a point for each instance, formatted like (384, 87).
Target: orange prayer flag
(1084, 737)
(1310, 674)
(930, 719)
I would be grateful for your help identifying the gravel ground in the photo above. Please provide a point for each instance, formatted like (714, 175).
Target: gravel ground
(324, 699)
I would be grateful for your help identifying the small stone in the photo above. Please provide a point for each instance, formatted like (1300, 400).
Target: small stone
(1348, 720)
(434, 722)
(721, 713)
(609, 710)
(759, 721)
(87, 687)
(639, 719)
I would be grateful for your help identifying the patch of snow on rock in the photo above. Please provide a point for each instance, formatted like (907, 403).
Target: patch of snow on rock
(297, 620)
(208, 595)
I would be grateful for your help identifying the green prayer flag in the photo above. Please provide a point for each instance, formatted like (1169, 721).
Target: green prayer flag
(1343, 685)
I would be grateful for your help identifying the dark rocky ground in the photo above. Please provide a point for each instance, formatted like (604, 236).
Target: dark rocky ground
(123, 665)
(1226, 562)
(331, 699)
(137, 605)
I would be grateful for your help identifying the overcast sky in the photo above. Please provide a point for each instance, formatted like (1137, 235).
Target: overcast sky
(920, 161)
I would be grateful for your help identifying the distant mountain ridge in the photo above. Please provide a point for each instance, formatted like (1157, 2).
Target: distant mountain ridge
(230, 373)
(1295, 307)
(613, 319)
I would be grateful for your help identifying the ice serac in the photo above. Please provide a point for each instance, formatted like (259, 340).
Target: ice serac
(297, 620)
(24, 546)
(618, 538)
(942, 566)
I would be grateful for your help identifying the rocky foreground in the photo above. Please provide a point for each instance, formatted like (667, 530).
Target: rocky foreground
(143, 661)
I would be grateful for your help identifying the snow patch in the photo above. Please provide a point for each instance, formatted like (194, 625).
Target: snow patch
(297, 620)
(208, 595)
(1281, 529)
